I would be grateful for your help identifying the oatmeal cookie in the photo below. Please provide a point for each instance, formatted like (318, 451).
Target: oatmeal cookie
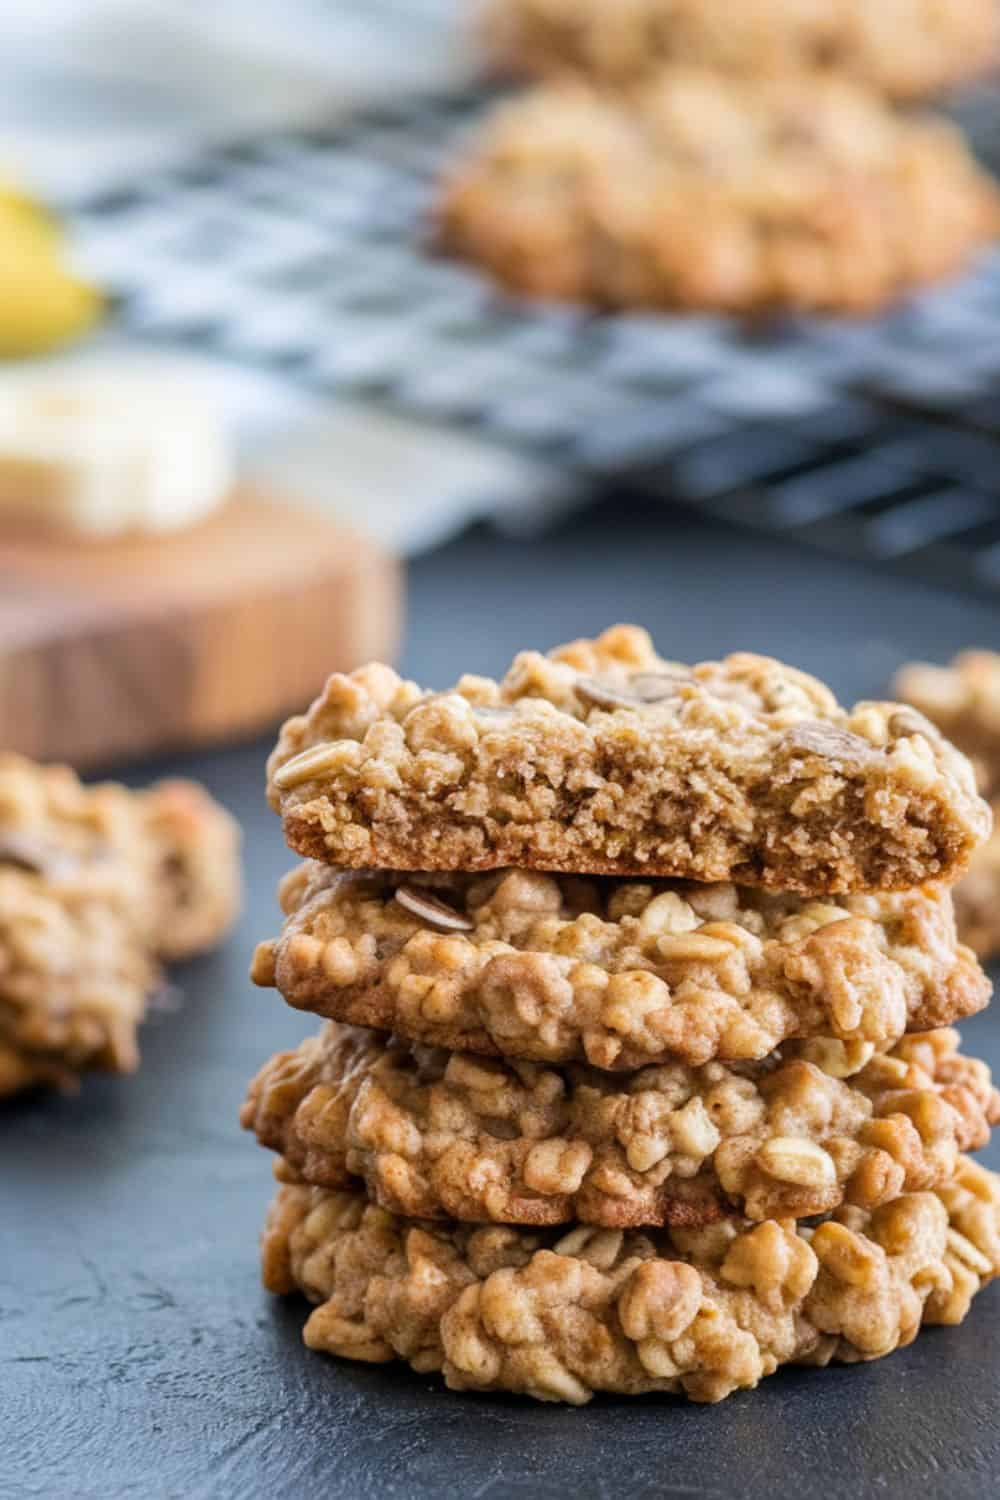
(701, 192)
(963, 699)
(616, 973)
(906, 49)
(94, 889)
(169, 851)
(75, 973)
(700, 1312)
(977, 897)
(447, 1135)
(602, 758)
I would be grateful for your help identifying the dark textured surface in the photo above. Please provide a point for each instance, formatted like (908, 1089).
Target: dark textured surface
(138, 1355)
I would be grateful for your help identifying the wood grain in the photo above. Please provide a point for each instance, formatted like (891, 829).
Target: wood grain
(117, 649)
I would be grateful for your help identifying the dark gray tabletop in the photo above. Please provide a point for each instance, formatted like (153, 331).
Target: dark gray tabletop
(138, 1355)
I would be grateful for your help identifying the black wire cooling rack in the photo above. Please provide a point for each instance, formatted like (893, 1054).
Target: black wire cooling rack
(309, 253)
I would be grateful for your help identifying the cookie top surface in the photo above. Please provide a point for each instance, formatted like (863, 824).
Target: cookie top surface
(701, 1312)
(617, 973)
(448, 1135)
(908, 49)
(698, 191)
(604, 758)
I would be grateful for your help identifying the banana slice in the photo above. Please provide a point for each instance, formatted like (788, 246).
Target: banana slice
(104, 455)
(20, 212)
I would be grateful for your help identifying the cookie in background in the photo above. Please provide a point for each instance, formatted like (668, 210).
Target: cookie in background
(907, 49)
(700, 192)
(158, 599)
(963, 699)
(98, 885)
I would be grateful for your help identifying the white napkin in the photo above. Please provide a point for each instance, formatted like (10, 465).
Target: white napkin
(100, 92)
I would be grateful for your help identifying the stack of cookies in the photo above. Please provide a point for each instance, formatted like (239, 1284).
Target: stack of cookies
(98, 886)
(693, 154)
(636, 1073)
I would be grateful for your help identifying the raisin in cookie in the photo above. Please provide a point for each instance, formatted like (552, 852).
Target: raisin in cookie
(701, 192)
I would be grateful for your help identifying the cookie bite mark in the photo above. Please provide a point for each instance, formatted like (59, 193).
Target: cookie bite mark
(742, 770)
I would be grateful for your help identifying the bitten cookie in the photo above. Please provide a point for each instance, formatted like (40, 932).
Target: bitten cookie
(447, 1135)
(702, 192)
(907, 49)
(616, 973)
(603, 758)
(700, 1312)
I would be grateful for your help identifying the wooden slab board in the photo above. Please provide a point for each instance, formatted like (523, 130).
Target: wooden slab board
(110, 650)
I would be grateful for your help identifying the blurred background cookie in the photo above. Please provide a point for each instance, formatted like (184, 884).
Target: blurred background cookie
(906, 49)
(963, 698)
(97, 884)
(702, 192)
